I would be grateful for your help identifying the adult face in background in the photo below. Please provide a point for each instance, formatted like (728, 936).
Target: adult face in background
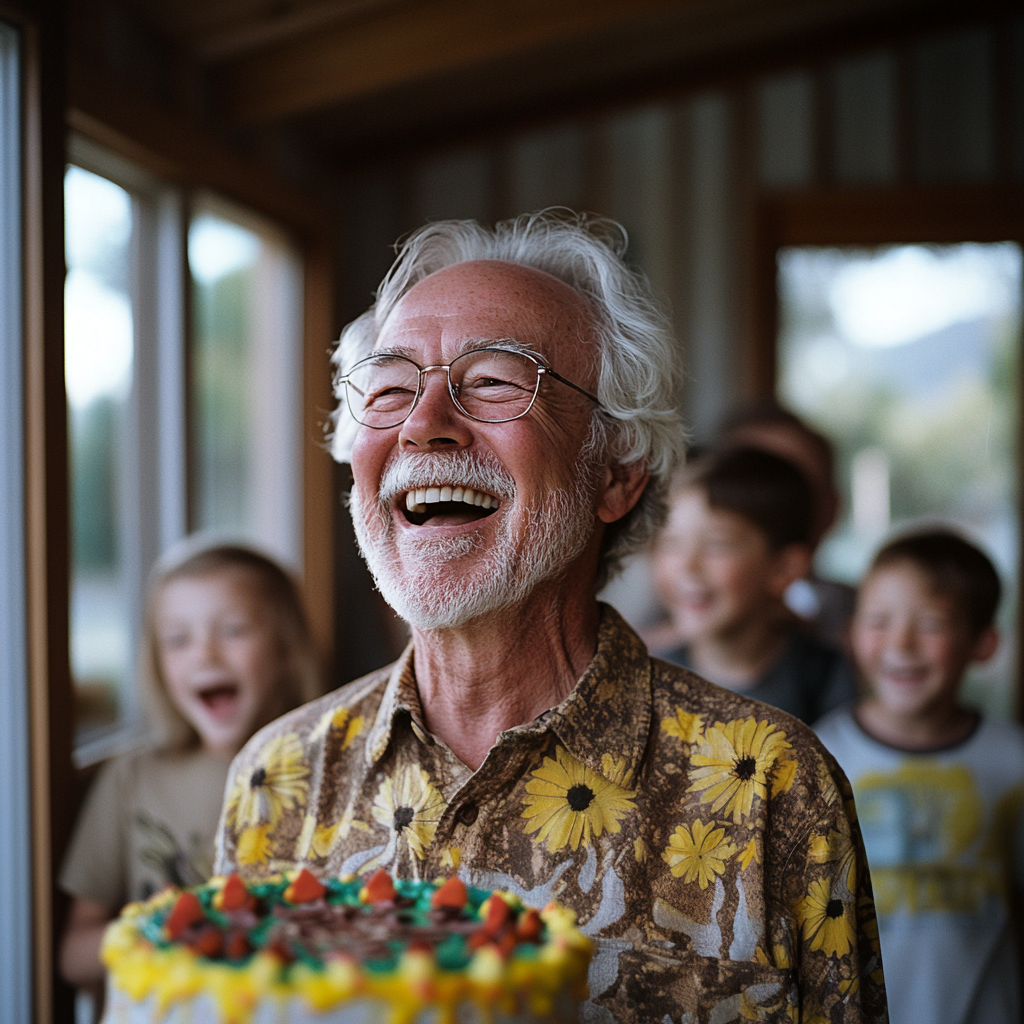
(549, 490)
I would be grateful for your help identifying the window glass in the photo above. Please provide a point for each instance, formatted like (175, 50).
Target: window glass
(907, 357)
(98, 357)
(246, 381)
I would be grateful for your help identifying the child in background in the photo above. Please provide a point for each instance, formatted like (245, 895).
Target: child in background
(738, 534)
(826, 606)
(939, 790)
(226, 649)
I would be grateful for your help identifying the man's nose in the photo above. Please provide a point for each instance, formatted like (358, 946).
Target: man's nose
(435, 422)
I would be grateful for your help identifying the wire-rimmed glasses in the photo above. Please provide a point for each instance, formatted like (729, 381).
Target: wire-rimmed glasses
(491, 385)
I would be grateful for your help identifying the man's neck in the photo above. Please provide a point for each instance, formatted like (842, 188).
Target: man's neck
(502, 671)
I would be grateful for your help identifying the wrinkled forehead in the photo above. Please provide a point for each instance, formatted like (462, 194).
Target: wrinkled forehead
(489, 301)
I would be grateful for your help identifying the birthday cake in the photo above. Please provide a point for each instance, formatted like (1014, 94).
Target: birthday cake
(295, 949)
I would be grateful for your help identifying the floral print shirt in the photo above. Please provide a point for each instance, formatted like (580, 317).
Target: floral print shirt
(708, 843)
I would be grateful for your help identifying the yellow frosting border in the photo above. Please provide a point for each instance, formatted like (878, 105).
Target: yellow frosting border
(175, 974)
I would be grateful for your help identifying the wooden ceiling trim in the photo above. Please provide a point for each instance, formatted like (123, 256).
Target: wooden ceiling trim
(415, 42)
(123, 120)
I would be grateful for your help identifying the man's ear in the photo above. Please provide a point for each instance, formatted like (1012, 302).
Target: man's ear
(986, 644)
(792, 563)
(621, 488)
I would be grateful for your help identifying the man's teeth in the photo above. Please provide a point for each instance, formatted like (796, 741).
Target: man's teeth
(418, 499)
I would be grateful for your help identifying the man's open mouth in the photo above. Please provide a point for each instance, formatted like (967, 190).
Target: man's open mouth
(447, 506)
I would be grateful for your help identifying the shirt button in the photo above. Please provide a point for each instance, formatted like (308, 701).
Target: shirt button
(467, 814)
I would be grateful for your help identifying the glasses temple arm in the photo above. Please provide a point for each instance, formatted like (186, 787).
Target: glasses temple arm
(569, 383)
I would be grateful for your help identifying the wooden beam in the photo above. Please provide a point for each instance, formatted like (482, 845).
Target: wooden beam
(402, 45)
(117, 116)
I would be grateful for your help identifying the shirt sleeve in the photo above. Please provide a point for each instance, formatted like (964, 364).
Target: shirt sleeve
(827, 888)
(95, 865)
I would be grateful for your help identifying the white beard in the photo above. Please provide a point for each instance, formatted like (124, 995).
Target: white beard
(421, 578)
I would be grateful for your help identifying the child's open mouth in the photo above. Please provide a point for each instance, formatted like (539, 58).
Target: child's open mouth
(447, 506)
(220, 699)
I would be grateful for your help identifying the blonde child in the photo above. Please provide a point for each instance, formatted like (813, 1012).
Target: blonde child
(226, 649)
(939, 789)
(738, 534)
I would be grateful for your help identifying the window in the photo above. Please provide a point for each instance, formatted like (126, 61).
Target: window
(98, 357)
(173, 425)
(907, 358)
(246, 380)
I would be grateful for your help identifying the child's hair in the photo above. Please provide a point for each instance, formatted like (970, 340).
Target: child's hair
(197, 557)
(954, 568)
(766, 490)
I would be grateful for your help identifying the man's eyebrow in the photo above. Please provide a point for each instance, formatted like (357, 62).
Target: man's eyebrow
(466, 345)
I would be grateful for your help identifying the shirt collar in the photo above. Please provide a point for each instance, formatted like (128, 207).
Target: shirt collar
(604, 722)
(400, 696)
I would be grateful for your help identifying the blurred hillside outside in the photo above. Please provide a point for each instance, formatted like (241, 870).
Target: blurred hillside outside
(98, 357)
(907, 357)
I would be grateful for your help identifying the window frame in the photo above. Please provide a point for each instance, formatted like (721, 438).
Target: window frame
(878, 216)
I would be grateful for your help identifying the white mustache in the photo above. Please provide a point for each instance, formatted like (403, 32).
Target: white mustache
(456, 469)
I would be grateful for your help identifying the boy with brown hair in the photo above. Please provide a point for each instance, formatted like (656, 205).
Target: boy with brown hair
(939, 789)
(739, 533)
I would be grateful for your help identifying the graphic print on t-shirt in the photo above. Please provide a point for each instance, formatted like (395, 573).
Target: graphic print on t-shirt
(919, 821)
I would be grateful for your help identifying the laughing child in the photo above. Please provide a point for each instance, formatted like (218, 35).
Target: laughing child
(939, 789)
(738, 535)
(226, 649)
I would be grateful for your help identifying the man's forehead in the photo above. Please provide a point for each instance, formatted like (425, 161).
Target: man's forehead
(484, 300)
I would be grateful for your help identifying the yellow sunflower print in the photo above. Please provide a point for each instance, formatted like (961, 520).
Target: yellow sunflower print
(836, 847)
(735, 764)
(684, 724)
(340, 721)
(410, 806)
(567, 803)
(254, 846)
(826, 921)
(698, 854)
(277, 783)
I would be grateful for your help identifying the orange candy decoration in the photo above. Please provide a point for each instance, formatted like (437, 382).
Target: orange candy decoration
(529, 926)
(498, 916)
(306, 888)
(379, 888)
(451, 894)
(187, 910)
(234, 895)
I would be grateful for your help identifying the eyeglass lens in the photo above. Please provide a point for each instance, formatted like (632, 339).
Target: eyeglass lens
(489, 385)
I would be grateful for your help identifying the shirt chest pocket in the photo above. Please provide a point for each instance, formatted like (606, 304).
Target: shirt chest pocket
(653, 985)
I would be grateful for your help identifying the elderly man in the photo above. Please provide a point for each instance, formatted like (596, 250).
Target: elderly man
(508, 408)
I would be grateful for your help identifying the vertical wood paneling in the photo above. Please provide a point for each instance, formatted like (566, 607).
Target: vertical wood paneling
(864, 117)
(954, 108)
(785, 130)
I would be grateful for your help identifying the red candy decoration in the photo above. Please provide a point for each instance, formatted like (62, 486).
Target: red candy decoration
(208, 940)
(237, 947)
(187, 910)
(234, 895)
(529, 926)
(379, 887)
(451, 894)
(306, 888)
(498, 916)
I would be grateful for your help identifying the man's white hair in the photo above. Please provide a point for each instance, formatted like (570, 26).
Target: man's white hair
(640, 360)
